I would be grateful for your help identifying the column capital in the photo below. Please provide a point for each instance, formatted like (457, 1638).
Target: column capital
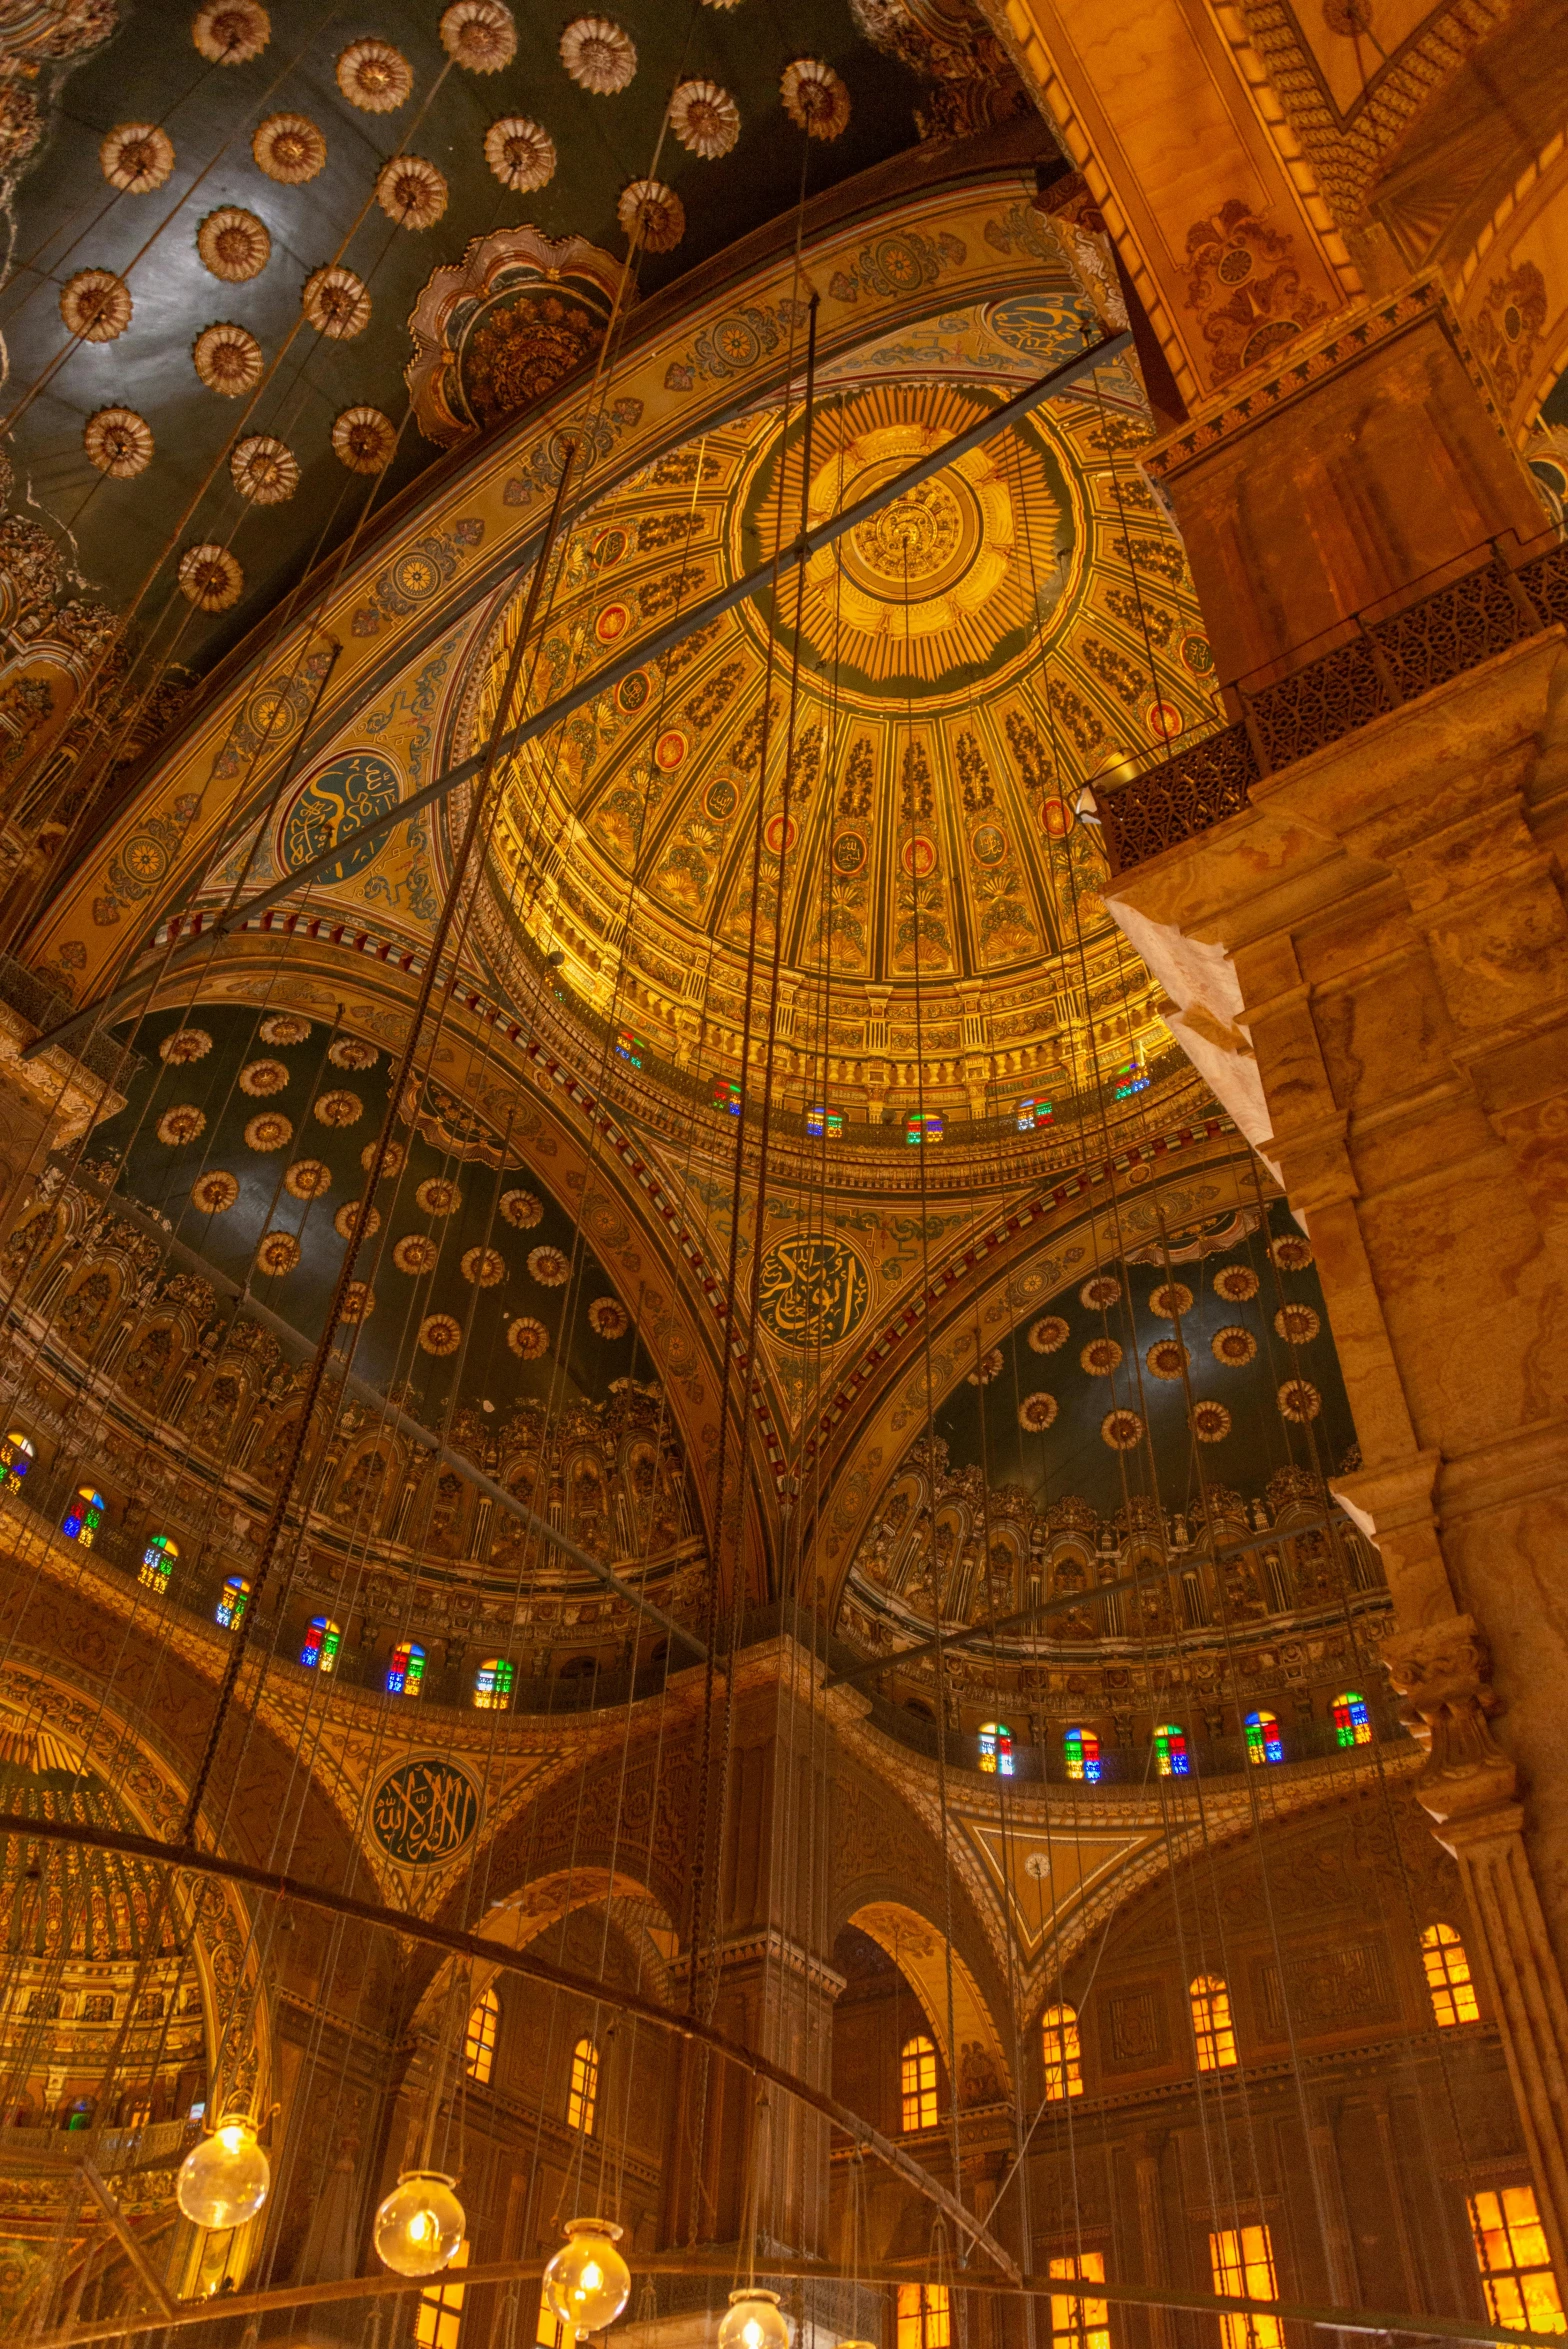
(1444, 1671)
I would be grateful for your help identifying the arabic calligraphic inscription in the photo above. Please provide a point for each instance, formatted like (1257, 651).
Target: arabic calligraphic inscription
(813, 1291)
(423, 1812)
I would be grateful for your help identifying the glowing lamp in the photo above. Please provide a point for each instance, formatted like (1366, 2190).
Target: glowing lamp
(420, 2225)
(223, 2181)
(588, 2283)
(753, 2321)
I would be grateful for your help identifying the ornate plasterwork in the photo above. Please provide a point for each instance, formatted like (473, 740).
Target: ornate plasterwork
(499, 331)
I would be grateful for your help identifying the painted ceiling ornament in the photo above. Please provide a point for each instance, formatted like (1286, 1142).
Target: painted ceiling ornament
(598, 55)
(210, 577)
(308, 1178)
(1047, 1335)
(527, 1337)
(118, 442)
(227, 359)
(411, 191)
(987, 1368)
(136, 157)
(479, 35)
(279, 1253)
(521, 1210)
(264, 469)
(1299, 1400)
(440, 1334)
(336, 303)
(1100, 1357)
(483, 1267)
(284, 1027)
(1236, 1283)
(1234, 1346)
(548, 1267)
(347, 1215)
(363, 440)
(1291, 1252)
(340, 1109)
(497, 332)
(1121, 1430)
(359, 1302)
(1298, 1325)
(520, 153)
(652, 215)
(289, 148)
(1037, 1412)
(375, 77)
(438, 1196)
(1210, 1422)
(1167, 1358)
(1171, 1300)
(271, 1131)
(416, 1254)
(184, 1123)
(1100, 1293)
(258, 1078)
(353, 1052)
(815, 98)
(186, 1044)
(970, 80)
(231, 32)
(391, 1164)
(705, 119)
(233, 244)
(215, 1194)
(95, 305)
(608, 1318)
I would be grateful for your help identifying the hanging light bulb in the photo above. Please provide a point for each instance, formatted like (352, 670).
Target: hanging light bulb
(753, 2321)
(588, 2283)
(420, 2224)
(223, 2181)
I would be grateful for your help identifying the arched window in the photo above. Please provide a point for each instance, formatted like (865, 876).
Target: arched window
(1516, 2268)
(925, 2317)
(438, 2318)
(996, 1749)
(917, 2083)
(1352, 1722)
(158, 1561)
(16, 1457)
(322, 1642)
(484, 2018)
(406, 1672)
(1171, 1758)
(1080, 2324)
(583, 2094)
(493, 1684)
(1263, 1744)
(1448, 1976)
(83, 1518)
(1063, 2053)
(1082, 1749)
(231, 1602)
(1212, 2027)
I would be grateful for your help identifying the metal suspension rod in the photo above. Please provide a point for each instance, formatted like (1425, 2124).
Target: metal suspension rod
(650, 648)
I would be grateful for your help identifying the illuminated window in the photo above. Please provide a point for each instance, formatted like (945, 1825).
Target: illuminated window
(1080, 2324)
(322, 1642)
(1510, 2251)
(484, 2017)
(1082, 1748)
(83, 1518)
(493, 1684)
(549, 2332)
(406, 1671)
(1352, 1724)
(1129, 1079)
(917, 2083)
(821, 1120)
(231, 1602)
(1263, 1743)
(925, 2317)
(631, 1046)
(1448, 1976)
(928, 1128)
(439, 2317)
(1063, 2053)
(1212, 2027)
(583, 2094)
(16, 1457)
(1171, 1757)
(726, 1094)
(1241, 2261)
(996, 1749)
(158, 1562)
(1033, 1113)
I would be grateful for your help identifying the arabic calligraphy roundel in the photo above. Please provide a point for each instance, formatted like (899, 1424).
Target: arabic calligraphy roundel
(813, 1291)
(423, 1812)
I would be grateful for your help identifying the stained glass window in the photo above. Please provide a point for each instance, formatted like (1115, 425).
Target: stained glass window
(1080, 2324)
(1448, 1977)
(1033, 1113)
(927, 1128)
(1510, 2251)
(158, 1561)
(1241, 2261)
(406, 1671)
(16, 1457)
(83, 1518)
(1171, 1757)
(917, 2083)
(925, 2317)
(484, 2018)
(726, 1095)
(1212, 2026)
(1352, 1723)
(820, 1120)
(439, 2317)
(493, 1684)
(1263, 1741)
(322, 1642)
(1128, 1079)
(996, 1749)
(1082, 1749)
(231, 1602)
(583, 2094)
(631, 1046)
(1063, 2052)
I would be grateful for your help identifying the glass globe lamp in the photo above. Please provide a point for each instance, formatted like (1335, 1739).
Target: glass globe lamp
(588, 2283)
(753, 2321)
(420, 2225)
(223, 2181)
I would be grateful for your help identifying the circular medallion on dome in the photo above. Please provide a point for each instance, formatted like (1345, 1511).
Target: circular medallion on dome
(1054, 819)
(921, 544)
(669, 750)
(918, 856)
(849, 852)
(612, 623)
(988, 844)
(333, 805)
(781, 834)
(633, 691)
(424, 1811)
(813, 1291)
(721, 800)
